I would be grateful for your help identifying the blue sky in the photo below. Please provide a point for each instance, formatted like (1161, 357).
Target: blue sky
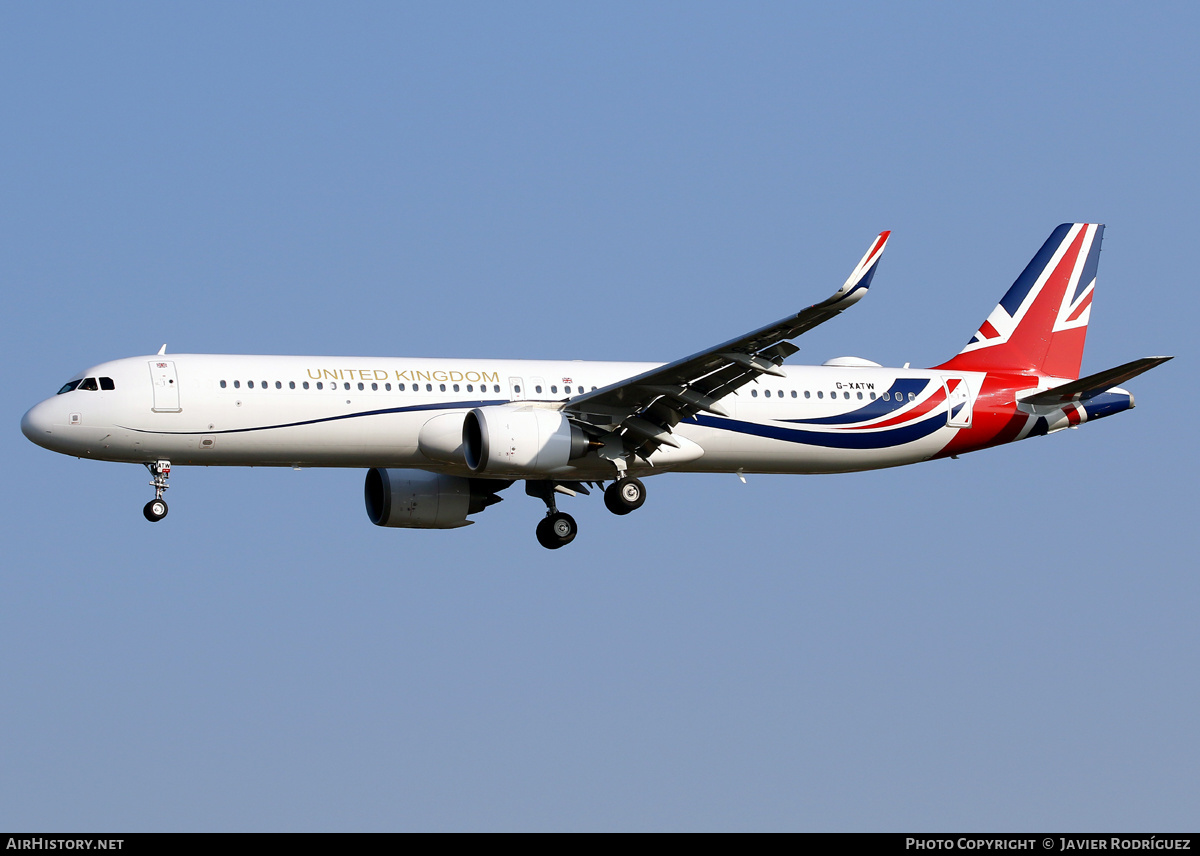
(1006, 641)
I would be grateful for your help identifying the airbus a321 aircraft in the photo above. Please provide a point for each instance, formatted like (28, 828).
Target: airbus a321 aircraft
(441, 438)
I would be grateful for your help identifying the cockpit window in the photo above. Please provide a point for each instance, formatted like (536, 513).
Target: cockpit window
(69, 385)
(107, 383)
(89, 383)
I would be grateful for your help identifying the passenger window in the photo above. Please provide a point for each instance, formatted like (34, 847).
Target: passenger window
(429, 387)
(496, 387)
(470, 388)
(360, 386)
(291, 384)
(320, 385)
(872, 396)
(807, 394)
(250, 384)
(441, 387)
(793, 393)
(264, 384)
(278, 385)
(554, 389)
(912, 396)
(375, 387)
(306, 384)
(456, 387)
(346, 385)
(538, 388)
(67, 387)
(388, 387)
(820, 394)
(886, 397)
(754, 393)
(860, 396)
(516, 388)
(222, 384)
(237, 384)
(107, 383)
(400, 387)
(767, 393)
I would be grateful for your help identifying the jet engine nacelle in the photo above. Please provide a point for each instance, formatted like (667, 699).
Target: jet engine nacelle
(415, 499)
(519, 441)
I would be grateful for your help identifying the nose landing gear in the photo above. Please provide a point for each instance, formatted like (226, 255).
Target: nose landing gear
(156, 509)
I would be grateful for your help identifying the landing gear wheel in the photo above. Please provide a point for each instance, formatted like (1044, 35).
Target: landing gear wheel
(155, 510)
(624, 495)
(556, 530)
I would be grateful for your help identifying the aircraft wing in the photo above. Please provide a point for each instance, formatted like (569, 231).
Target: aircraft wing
(644, 408)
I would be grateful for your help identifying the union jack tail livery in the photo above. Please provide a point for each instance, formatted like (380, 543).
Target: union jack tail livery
(1040, 324)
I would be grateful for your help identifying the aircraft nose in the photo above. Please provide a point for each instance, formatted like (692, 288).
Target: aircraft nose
(36, 424)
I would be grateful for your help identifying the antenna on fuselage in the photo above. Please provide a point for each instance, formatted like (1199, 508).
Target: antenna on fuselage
(163, 349)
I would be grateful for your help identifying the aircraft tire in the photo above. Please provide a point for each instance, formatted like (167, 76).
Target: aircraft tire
(556, 530)
(155, 510)
(624, 495)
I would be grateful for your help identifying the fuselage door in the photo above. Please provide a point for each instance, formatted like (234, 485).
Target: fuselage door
(166, 386)
(516, 389)
(958, 402)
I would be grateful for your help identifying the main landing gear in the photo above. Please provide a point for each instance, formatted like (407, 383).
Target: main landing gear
(557, 528)
(156, 509)
(624, 495)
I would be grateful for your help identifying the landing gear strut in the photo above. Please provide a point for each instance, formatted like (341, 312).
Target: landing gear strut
(156, 509)
(557, 528)
(624, 495)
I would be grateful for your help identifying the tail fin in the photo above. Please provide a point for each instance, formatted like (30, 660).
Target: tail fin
(1041, 323)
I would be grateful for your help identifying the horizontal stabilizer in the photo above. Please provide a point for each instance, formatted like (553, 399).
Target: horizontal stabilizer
(1091, 385)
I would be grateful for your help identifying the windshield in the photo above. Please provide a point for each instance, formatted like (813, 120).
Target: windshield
(88, 383)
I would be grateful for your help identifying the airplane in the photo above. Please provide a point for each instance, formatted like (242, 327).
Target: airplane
(440, 438)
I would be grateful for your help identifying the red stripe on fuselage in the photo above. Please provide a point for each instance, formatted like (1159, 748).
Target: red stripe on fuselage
(995, 418)
(920, 410)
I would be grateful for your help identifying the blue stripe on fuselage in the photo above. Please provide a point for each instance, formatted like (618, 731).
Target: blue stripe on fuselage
(900, 390)
(865, 439)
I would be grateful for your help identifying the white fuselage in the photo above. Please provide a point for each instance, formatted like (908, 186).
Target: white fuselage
(227, 410)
